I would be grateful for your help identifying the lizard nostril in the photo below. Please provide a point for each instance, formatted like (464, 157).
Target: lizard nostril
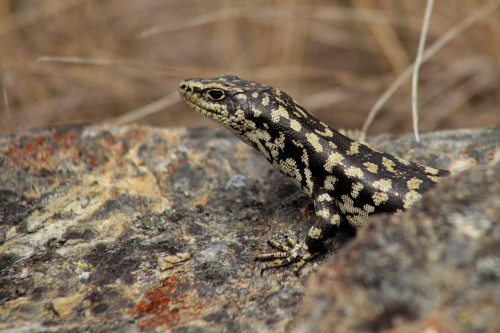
(183, 86)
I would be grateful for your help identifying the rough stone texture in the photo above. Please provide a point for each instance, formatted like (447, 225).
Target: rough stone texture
(142, 229)
(435, 268)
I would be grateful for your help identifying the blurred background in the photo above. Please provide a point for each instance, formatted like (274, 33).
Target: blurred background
(73, 61)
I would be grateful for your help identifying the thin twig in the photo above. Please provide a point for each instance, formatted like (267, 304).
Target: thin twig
(418, 62)
(431, 51)
(145, 110)
(98, 62)
(168, 70)
(203, 19)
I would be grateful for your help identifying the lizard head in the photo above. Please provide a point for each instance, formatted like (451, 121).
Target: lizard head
(246, 108)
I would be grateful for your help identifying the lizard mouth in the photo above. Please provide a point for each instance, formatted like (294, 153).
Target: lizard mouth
(194, 99)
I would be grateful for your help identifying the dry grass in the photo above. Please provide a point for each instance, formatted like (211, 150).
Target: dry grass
(335, 57)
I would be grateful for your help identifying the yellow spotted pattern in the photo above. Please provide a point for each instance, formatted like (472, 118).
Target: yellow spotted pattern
(347, 180)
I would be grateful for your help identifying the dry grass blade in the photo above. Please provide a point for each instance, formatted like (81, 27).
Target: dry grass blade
(433, 49)
(204, 19)
(82, 61)
(172, 71)
(386, 37)
(146, 110)
(5, 97)
(418, 62)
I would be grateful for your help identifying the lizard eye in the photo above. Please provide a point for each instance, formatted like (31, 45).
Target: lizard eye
(216, 94)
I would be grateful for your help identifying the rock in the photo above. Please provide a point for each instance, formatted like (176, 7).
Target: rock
(134, 228)
(63, 306)
(434, 268)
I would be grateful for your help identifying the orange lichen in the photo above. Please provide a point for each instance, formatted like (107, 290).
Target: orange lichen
(162, 305)
(177, 165)
(40, 149)
(46, 151)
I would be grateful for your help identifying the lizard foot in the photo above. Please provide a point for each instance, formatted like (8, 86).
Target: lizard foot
(295, 252)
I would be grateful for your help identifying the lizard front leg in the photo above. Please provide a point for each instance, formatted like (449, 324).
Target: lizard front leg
(318, 238)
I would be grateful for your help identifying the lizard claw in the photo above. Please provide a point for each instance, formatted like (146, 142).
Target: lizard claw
(295, 252)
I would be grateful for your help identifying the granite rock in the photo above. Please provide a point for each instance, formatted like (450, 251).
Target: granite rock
(136, 228)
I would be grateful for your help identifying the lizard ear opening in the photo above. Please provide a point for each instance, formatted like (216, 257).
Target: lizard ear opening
(215, 94)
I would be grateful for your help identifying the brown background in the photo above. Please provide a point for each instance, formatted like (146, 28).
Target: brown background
(335, 57)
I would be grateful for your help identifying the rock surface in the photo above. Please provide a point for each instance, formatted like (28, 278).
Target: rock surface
(142, 229)
(435, 268)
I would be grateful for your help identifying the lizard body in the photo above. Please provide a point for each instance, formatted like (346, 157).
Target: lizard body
(347, 180)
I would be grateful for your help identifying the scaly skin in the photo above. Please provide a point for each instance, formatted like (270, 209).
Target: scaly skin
(348, 181)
